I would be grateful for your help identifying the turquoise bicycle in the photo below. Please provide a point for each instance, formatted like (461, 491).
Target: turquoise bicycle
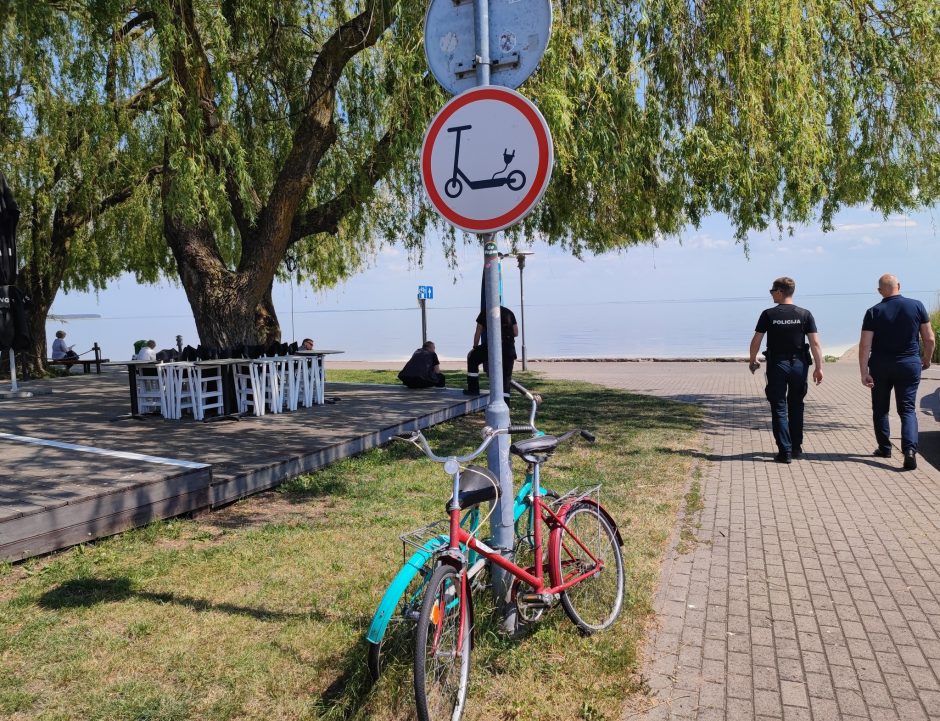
(392, 628)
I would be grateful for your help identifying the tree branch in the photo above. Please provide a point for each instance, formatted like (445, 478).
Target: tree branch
(315, 133)
(325, 218)
(123, 194)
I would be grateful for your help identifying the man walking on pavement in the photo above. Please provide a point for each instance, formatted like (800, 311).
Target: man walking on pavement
(889, 358)
(478, 354)
(788, 361)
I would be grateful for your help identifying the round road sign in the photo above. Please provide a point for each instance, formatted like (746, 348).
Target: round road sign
(486, 159)
(518, 29)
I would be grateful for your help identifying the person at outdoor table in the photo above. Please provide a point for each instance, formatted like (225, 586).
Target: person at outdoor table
(423, 370)
(147, 352)
(307, 344)
(61, 351)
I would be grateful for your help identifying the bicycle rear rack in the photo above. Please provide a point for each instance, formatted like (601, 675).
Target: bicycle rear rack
(575, 495)
(421, 539)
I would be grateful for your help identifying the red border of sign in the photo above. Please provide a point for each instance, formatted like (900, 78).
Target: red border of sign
(543, 138)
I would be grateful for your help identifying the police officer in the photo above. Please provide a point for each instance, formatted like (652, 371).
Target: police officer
(889, 358)
(788, 360)
(478, 354)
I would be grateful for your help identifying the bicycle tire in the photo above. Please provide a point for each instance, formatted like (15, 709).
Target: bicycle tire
(594, 603)
(442, 648)
(398, 635)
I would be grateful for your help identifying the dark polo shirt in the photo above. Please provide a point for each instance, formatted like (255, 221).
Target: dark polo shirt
(896, 322)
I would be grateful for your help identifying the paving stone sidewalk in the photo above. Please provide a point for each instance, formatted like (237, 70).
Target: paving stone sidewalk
(814, 589)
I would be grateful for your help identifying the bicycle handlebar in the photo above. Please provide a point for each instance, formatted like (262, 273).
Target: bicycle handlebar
(534, 397)
(417, 437)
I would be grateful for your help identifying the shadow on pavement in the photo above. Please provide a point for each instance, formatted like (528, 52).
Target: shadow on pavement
(928, 446)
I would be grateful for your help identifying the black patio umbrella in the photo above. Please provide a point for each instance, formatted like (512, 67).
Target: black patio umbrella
(13, 329)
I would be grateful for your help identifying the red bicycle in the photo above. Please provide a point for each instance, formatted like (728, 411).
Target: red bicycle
(581, 567)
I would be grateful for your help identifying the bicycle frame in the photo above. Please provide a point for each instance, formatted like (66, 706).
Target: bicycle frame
(459, 538)
(391, 601)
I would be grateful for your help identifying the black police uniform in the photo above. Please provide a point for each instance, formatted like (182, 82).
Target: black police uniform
(478, 355)
(788, 362)
(419, 370)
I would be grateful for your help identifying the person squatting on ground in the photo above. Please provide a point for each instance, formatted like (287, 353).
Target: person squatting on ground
(788, 361)
(478, 355)
(889, 359)
(423, 369)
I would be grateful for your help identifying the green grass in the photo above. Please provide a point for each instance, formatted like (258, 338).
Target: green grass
(258, 611)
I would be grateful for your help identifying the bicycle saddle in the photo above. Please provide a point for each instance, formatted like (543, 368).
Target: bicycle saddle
(527, 448)
(477, 484)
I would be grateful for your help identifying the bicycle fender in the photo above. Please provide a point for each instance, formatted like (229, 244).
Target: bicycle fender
(390, 602)
(603, 511)
(610, 519)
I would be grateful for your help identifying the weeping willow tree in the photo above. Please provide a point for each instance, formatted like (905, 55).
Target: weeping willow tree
(79, 149)
(258, 128)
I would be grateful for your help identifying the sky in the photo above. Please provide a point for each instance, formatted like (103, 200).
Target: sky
(695, 296)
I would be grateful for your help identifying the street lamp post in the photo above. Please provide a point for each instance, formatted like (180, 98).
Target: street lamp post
(520, 257)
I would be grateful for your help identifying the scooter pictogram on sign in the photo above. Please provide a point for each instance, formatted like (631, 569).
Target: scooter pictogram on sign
(454, 187)
(462, 149)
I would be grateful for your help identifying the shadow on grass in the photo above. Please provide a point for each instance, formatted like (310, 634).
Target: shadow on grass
(86, 592)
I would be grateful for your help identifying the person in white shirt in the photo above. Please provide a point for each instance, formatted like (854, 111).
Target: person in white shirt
(60, 350)
(147, 352)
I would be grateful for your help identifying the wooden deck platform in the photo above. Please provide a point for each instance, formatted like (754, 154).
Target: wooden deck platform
(73, 470)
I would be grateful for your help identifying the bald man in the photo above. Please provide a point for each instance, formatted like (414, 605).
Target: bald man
(889, 359)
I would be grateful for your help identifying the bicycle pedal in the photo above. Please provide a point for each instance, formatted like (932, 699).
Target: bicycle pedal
(535, 600)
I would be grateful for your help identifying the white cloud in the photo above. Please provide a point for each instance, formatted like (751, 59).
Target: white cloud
(893, 221)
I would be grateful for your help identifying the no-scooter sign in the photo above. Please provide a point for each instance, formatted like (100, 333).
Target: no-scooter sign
(486, 159)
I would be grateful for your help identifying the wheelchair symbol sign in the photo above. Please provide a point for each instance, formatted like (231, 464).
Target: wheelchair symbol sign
(486, 159)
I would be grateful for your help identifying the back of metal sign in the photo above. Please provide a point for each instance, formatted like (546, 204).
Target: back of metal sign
(519, 33)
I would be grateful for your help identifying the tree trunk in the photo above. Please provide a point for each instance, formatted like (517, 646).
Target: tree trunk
(41, 280)
(227, 310)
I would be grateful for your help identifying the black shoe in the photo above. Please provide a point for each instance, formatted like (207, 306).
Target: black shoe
(797, 453)
(882, 453)
(784, 457)
(910, 460)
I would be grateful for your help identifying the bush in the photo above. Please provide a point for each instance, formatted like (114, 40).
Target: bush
(935, 322)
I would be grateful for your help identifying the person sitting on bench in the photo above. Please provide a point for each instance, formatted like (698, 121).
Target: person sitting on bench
(423, 370)
(61, 351)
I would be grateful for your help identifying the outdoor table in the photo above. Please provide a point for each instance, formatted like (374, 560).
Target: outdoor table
(315, 368)
(138, 367)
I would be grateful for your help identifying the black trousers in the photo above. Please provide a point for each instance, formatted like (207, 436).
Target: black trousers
(478, 356)
(435, 381)
(786, 388)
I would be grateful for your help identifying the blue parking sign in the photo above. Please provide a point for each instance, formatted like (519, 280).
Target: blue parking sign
(426, 292)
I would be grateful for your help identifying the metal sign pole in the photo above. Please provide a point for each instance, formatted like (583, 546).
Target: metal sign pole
(424, 320)
(497, 412)
(521, 259)
(13, 386)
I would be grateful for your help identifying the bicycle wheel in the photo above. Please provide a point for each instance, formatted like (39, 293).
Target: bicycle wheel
(442, 648)
(396, 640)
(594, 603)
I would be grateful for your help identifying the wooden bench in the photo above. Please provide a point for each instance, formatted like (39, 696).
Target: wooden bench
(86, 363)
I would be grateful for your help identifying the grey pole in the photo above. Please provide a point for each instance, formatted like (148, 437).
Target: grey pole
(521, 259)
(497, 412)
(424, 320)
(13, 386)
